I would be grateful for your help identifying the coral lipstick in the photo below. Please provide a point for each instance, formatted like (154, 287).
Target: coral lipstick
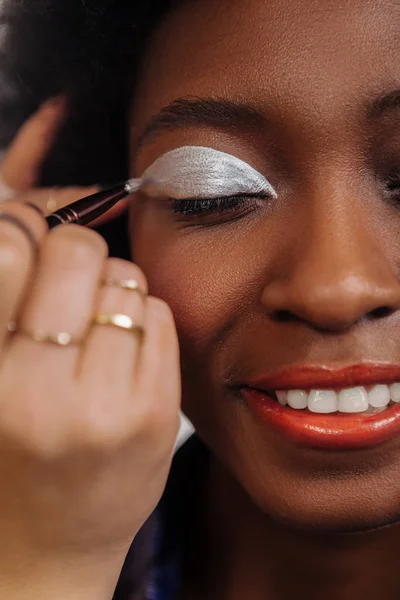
(333, 431)
(312, 376)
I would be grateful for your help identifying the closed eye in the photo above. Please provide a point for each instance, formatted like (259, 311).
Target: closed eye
(207, 206)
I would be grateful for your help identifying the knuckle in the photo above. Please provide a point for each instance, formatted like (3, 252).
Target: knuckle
(31, 437)
(160, 420)
(98, 436)
(42, 448)
(123, 269)
(79, 244)
(98, 428)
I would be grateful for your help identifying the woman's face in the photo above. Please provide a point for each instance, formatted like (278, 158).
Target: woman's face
(284, 293)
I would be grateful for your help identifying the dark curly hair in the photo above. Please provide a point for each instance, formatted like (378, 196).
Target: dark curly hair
(91, 50)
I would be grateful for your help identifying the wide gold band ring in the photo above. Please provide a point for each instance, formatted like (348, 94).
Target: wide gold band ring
(120, 321)
(60, 338)
(126, 284)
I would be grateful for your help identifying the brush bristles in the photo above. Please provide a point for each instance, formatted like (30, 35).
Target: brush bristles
(133, 185)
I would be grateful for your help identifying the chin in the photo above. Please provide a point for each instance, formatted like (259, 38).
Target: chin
(335, 492)
(316, 492)
(337, 524)
(329, 507)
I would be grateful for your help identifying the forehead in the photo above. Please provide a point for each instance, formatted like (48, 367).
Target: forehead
(306, 56)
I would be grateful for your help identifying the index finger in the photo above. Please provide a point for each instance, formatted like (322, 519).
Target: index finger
(22, 161)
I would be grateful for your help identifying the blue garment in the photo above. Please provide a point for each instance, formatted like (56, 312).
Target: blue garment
(164, 576)
(155, 563)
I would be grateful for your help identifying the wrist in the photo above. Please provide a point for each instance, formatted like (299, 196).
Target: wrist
(65, 578)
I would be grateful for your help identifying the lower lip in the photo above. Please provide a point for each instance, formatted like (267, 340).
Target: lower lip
(328, 432)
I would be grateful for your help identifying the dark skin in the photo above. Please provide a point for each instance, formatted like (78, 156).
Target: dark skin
(326, 255)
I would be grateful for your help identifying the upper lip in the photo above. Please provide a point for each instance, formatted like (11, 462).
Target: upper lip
(308, 377)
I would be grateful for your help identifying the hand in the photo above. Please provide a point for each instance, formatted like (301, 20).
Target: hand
(87, 430)
(22, 162)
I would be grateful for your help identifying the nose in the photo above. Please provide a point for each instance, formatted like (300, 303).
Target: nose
(334, 275)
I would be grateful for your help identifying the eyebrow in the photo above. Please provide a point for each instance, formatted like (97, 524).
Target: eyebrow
(219, 112)
(385, 103)
(194, 111)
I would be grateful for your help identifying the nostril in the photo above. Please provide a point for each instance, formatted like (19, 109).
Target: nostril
(381, 312)
(285, 316)
(326, 321)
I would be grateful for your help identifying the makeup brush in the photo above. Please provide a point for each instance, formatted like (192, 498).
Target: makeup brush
(87, 209)
(188, 172)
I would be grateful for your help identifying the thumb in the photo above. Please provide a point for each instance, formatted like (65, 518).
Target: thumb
(23, 159)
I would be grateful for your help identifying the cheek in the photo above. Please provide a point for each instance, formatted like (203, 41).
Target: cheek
(202, 275)
(193, 283)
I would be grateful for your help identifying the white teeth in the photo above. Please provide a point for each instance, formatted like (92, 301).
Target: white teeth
(395, 392)
(297, 399)
(379, 396)
(282, 397)
(350, 400)
(322, 401)
(353, 400)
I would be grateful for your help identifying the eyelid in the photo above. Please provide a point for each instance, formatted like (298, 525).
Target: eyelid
(202, 172)
(203, 207)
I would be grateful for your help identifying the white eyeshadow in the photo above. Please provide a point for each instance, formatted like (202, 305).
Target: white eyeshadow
(200, 172)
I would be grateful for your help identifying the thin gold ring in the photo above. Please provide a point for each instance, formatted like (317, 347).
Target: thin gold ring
(120, 321)
(60, 338)
(35, 207)
(126, 284)
(21, 226)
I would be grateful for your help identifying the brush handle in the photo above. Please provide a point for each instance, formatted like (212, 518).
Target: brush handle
(86, 210)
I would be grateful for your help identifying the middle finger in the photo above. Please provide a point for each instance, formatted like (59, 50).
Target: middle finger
(61, 298)
(17, 258)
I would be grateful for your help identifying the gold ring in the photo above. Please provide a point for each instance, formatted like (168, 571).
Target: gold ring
(35, 207)
(119, 320)
(60, 338)
(126, 284)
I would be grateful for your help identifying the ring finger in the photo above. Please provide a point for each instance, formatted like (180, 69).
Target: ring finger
(111, 352)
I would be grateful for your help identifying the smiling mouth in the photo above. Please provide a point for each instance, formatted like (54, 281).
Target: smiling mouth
(347, 408)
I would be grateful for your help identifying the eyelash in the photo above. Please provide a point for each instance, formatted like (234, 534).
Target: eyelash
(191, 207)
(195, 207)
(393, 183)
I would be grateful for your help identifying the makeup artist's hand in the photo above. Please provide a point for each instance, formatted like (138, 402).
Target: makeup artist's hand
(86, 431)
(21, 164)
